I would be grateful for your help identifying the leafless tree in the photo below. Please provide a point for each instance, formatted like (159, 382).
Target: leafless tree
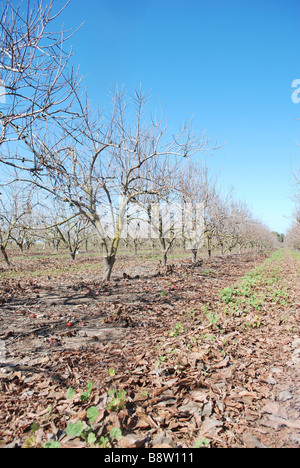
(109, 165)
(199, 189)
(98, 163)
(39, 86)
(195, 189)
(159, 201)
(292, 239)
(242, 231)
(15, 206)
(60, 224)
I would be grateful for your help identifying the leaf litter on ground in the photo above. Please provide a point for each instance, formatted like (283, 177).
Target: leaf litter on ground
(193, 367)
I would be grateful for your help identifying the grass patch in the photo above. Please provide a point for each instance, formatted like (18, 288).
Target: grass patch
(259, 291)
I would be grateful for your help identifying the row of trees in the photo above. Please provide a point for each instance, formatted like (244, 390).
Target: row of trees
(78, 172)
(213, 222)
(293, 235)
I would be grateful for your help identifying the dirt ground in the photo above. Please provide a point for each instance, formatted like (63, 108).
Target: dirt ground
(189, 377)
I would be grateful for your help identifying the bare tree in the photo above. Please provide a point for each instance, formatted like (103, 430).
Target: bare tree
(15, 206)
(200, 191)
(60, 224)
(196, 189)
(97, 163)
(292, 239)
(111, 162)
(38, 84)
(23, 233)
(159, 201)
(73, 233)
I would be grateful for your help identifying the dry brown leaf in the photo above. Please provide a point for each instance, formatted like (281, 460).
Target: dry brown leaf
(252, 442)
(210, 428)
(198, 396)
(132, 441)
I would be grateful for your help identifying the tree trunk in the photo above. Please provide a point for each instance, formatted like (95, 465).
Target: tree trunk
(4, 254)
(108, 263)
(209, 247)
(20, 246)
(164, 259)
(194, 253)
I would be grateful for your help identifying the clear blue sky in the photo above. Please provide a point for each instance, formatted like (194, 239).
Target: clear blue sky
(229, 63)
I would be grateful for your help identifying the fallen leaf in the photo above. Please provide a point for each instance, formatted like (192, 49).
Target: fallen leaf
(210, 428)
(223, 363)
(163, 440)
(199, 395)
(132, 441)
(276, 409)
(252, 442)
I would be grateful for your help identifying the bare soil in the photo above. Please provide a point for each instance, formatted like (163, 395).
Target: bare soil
(188, 378)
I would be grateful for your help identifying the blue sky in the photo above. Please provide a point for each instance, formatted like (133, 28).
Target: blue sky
(230, 64)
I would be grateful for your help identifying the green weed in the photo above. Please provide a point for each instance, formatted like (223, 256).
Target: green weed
(247, 297)
(118, 400)
(178, 329)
